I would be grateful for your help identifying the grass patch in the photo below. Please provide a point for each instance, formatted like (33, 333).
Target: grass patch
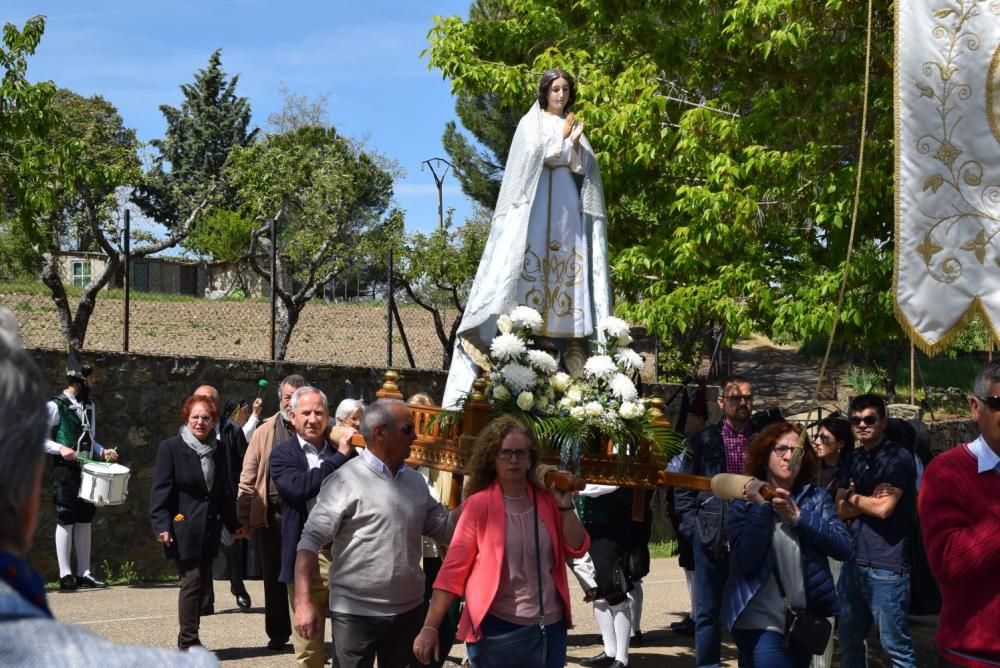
(663, 550)
(125, 574)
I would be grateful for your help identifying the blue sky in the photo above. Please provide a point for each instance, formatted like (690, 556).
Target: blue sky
(365, 55)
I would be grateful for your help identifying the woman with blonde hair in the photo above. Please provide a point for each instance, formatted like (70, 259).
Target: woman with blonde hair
(507, 558)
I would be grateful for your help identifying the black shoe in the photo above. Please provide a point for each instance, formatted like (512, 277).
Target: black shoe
(277, 645)
(617, 664)
(636, 640)
(685, 627)
(67, 583)
(602, 660)
(243, 600)
(89, 581)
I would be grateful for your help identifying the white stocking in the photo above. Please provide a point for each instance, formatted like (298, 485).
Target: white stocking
(64, 546)
(635, 605)
(623, 630)
(81, 536)
(605, 622)
(692, 591)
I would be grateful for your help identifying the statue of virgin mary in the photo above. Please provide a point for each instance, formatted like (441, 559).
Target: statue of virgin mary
(548, 246)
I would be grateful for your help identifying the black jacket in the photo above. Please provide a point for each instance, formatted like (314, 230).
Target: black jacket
(297, 484)
(180, 502)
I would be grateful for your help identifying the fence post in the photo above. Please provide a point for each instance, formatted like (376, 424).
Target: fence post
(274, 284)
(126, 283)
(388, 317)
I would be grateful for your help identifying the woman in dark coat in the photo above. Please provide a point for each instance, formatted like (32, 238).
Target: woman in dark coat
(780, 549)
(192, 497)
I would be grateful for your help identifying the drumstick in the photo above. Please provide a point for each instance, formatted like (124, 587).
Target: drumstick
(261, 386)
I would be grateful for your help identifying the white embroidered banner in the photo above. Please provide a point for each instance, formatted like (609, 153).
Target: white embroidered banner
(947, 167)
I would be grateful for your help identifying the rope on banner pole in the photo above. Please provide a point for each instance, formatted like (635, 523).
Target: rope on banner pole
(857, 198)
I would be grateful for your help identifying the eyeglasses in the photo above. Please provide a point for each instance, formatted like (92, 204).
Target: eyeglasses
(782, 450)
(200, 418)
(992, 402)
(869, 420)
(507, 454)
(823, 438)
(739, 398)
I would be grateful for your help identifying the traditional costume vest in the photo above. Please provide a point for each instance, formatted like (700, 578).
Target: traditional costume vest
(72, 431)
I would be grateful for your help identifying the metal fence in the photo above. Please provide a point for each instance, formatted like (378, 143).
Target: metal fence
(347, 333)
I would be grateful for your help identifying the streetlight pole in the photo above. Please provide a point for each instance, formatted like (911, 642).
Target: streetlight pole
(438, 181)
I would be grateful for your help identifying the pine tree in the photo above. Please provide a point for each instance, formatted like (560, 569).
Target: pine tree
(211, 120)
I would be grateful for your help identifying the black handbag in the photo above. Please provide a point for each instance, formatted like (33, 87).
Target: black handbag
(805, 630)
(526, 647)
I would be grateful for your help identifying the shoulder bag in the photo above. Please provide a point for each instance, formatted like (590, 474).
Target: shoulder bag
(525, 647)
(805, 631)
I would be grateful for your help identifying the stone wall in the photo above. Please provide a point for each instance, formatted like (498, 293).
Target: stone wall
(138, 399)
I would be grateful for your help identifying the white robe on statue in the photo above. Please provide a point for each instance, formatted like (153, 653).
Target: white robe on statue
(547, 247)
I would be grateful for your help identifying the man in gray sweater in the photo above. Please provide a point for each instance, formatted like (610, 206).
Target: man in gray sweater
(374, 510)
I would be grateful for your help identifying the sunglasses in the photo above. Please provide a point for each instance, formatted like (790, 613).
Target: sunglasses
(869, 420)
(739, 398)
(823, 438)
(992, 402)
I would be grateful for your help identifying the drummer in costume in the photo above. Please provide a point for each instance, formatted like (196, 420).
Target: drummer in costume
(71, 433)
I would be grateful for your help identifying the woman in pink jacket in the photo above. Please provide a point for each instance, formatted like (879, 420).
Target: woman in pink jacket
(492, 558)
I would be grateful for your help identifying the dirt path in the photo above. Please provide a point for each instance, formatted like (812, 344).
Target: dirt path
(781, 375)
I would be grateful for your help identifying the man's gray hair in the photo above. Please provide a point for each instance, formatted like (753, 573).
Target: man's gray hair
(304, 390)
(348, 406)
(988, 375)
(295, 380)
(378, 414)
(23, 426)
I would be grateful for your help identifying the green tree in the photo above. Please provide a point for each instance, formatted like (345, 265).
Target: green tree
(727, 135)
(480, 171)
(323, 194)
(211, 120)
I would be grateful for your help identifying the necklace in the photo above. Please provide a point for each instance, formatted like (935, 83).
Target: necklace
(516, 498)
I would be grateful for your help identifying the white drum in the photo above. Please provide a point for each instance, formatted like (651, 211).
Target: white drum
(104, 484)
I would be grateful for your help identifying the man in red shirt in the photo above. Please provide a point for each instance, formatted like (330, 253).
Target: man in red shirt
(959, 506)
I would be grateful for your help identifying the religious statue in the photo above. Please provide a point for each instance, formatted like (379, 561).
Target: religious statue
(547, 247)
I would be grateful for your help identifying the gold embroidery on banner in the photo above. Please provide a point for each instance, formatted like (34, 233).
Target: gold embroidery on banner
(965, 201)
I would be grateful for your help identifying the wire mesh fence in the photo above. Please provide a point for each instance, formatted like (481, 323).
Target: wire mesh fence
(347, 333)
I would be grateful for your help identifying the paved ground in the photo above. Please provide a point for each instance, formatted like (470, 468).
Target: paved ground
(147, 615)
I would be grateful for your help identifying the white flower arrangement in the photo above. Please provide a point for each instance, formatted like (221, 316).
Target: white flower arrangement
(505, 324)
(525, 401)
(542, 361)
(623, 387)
(629, 359)
(600, 367)
(518, 376)
(561, 381)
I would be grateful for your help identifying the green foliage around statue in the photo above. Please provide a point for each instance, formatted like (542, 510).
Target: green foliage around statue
(728, 140)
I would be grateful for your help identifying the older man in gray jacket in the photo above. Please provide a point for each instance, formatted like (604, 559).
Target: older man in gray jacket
(29, 636)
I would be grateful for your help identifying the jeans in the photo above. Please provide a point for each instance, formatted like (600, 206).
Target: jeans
(766, 649)
(555, 639)
(710, 576)
(876, 595)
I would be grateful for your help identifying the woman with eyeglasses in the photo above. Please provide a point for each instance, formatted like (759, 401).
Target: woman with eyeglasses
(191, 498)
(494, 557)
(780, 549)
(833, 443)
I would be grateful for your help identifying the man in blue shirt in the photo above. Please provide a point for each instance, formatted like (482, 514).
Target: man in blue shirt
(876, 496)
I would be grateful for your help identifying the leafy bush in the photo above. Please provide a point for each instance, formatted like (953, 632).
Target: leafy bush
(864, 380)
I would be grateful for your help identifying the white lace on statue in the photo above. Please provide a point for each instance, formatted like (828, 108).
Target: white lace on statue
(547, 246)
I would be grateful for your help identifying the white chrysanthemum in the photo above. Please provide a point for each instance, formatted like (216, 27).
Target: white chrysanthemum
(614, 327)
(505, 324)
(525, 401)
(542, 361)
(629, 359)
(623, 387)
(600, 366)
(518, 376)
(507, 347)
(630, 411)
(501, 393)
(526, 317)
(575, 392)
(561, 381)
(594, 408)
(577, 412)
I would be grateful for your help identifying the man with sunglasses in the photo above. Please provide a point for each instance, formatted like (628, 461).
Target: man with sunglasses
(374, 510)
(960, 517)
(877, 495)
(718, 448)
